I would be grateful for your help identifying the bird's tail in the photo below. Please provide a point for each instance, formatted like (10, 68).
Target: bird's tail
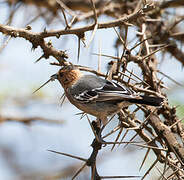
(148, 100)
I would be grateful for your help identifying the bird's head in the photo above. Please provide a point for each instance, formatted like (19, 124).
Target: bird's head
(68, 75)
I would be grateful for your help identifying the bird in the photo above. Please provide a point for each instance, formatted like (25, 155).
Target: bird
(97, 96)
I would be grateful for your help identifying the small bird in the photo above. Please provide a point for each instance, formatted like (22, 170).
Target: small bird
(96, 96)
(99, 97)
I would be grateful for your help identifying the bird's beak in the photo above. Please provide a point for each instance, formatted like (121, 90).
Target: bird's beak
(52, 78)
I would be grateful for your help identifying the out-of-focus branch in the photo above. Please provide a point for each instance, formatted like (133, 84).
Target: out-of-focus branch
(29, 120)
(154, 34)
(18, 32)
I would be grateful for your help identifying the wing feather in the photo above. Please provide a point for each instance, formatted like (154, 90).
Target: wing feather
(109, 91)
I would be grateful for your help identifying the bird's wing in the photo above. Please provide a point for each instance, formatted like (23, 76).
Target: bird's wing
(107, 92)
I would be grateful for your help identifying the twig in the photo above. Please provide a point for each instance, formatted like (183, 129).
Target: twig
(63, 12)
(94, 11)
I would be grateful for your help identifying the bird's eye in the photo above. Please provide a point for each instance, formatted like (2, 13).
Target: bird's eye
(61, 74)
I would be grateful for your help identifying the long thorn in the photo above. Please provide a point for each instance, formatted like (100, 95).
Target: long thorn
(69, 155)
(52, 78)
(78, 172)
(151, 167)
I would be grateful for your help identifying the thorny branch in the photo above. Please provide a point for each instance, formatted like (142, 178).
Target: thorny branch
(155, 33)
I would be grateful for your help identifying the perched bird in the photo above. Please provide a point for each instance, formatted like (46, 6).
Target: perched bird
(97, 96)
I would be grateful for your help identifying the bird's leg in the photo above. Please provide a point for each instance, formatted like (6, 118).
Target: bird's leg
(98, 122)
(97, 127)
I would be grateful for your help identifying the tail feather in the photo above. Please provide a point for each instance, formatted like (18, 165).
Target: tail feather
(148, 100)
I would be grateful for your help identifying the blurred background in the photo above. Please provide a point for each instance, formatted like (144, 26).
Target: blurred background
(24, 145)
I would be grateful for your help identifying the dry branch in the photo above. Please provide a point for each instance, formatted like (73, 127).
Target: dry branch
(154, 34)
